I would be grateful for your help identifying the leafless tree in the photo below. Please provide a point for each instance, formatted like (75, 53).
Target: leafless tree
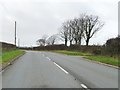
(64, 32)
(73, 30)
(92, 24)
(41, 42)
(70, 36)
(77, 30)
(51, 40)
(45, 37)
(80, 27)
(69, 30)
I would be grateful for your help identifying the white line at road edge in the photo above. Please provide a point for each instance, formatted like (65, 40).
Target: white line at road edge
(83, 86)
(61, 68)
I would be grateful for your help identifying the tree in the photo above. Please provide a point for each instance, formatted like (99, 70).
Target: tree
(76, 29)
(80, 27)
(113, 46)
(64, 32)
(41, 42)
(45, 37)
(70, 35)
(83, 27)
(92, 24)
(51, 40)
(69, 31)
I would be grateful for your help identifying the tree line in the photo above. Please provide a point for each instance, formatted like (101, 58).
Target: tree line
(112, 46)
(75, 30)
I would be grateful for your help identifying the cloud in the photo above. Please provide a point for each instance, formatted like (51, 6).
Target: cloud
(37, 17)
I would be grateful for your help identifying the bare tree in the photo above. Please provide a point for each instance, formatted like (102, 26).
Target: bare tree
(64, 32)
(41, 42)
(69, 30)
(80, 27)
(77, 30)
(45, 37)
(70, 36)
(51, 40)
(72, 29)
(83, 27)
(92, 24)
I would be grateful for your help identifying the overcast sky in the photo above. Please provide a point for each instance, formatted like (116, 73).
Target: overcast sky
(38, 17)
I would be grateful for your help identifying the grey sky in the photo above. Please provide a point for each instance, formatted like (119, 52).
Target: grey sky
(38, 17)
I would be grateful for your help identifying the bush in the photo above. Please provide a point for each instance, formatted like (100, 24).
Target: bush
(112, 46)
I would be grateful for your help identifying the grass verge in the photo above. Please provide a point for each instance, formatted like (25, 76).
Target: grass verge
(103, 59)
(74, 53)
(8, 56)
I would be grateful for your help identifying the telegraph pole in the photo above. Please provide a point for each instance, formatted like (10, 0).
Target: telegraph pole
(15, 33)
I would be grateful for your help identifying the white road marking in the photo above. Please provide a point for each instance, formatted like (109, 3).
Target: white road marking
(48, 58)
(83, 86)
(61, 68)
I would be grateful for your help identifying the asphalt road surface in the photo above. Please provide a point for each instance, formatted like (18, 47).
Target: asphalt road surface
(51, 70)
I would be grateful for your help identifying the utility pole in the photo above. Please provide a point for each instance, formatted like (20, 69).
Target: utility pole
(15, 33)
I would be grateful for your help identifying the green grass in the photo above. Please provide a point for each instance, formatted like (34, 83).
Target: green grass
(0, 59)
(103, 59)
(8, 56)
(74, 53)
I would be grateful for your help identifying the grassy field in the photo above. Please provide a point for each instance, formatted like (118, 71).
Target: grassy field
(103, 59)
(8, 56)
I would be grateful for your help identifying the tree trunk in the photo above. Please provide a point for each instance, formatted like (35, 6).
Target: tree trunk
(70, 42)
(65, 42)
(79, 42)
(87, 42)
(75, 42)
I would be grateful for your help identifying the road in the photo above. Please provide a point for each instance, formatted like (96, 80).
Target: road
(51, 70)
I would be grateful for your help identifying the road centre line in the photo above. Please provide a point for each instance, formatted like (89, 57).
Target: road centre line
(61, 68)
(84, 86)
(48, 58)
